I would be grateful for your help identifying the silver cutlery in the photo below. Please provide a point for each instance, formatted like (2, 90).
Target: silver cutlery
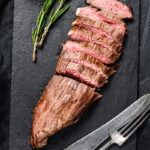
(119, 137)
(118, 130)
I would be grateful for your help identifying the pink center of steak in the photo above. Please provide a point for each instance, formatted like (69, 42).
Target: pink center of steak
(98, 31)
(114, 6)
(92, 66)
(81, 34)
(92, 13)
(88, 61)
(84, 74)
(106, 29)
(81, 77)
(75, 46)
(85, 79)
(77, 35)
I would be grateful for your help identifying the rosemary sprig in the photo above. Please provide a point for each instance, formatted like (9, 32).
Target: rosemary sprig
(42, 29)
(53, 16)
(41, 20)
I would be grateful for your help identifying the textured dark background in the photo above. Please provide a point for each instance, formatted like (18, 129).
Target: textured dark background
(6, 30)
(6, 35)
(29, 79)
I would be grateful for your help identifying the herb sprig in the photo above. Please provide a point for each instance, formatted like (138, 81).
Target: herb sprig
(43, 26)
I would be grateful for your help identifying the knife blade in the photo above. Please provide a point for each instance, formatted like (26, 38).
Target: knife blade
(95, 138)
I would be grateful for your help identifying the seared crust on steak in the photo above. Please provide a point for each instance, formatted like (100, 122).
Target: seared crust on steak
(56, 110)
(95, 41)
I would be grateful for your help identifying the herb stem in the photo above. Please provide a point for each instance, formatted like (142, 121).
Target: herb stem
(36, 40)
(36, 35)
(43, 26)
(50, 23)
(46, 29)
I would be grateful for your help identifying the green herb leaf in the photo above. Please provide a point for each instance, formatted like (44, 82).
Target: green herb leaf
(39, 34)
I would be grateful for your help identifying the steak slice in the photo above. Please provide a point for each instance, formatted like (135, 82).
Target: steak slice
(80, 72)
(88, 61)
(93, 13)
(81, 34)
(113, 6)
(99, 27)
(57, 110)
(111, 16)
(104, 55)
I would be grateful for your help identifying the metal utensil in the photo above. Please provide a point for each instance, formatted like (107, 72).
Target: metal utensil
(119, 137)
(118, 130)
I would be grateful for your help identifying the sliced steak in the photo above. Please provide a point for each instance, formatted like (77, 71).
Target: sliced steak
(92, 49)
(100, 28)
(88, 61)
(81, 34)
(57, 110)
(98, 37)
(92, 13)
(80, 72)
(112, 17)
(113, 6)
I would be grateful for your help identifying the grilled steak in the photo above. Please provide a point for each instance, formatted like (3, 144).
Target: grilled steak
(96, 40)
(101, 28)
(88, 61)
(112, 6)
(81, 34)
(94, 14)
(92, 49)
(56, 110)
(80, 72)
(111, 16)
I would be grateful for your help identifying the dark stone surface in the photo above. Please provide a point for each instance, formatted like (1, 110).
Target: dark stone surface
(6, 24)
(96, 139)
(29, 79)
(6, 31)
(144, 71)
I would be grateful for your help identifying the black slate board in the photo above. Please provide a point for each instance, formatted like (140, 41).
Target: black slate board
(29, 79)
(6, 32)
(144, 70)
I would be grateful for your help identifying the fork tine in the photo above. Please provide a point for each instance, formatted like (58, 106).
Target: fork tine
(130, 122)
(130, 126)
(142, 118)
(141, 122)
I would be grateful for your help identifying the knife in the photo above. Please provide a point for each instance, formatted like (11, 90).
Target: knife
(97, 137)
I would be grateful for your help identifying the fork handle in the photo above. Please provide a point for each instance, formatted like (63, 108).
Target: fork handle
(107, 145)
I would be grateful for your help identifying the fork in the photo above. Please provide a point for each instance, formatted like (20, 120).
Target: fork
(120, 136)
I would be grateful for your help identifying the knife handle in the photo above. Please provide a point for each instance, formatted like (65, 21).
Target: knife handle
(108, 144)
